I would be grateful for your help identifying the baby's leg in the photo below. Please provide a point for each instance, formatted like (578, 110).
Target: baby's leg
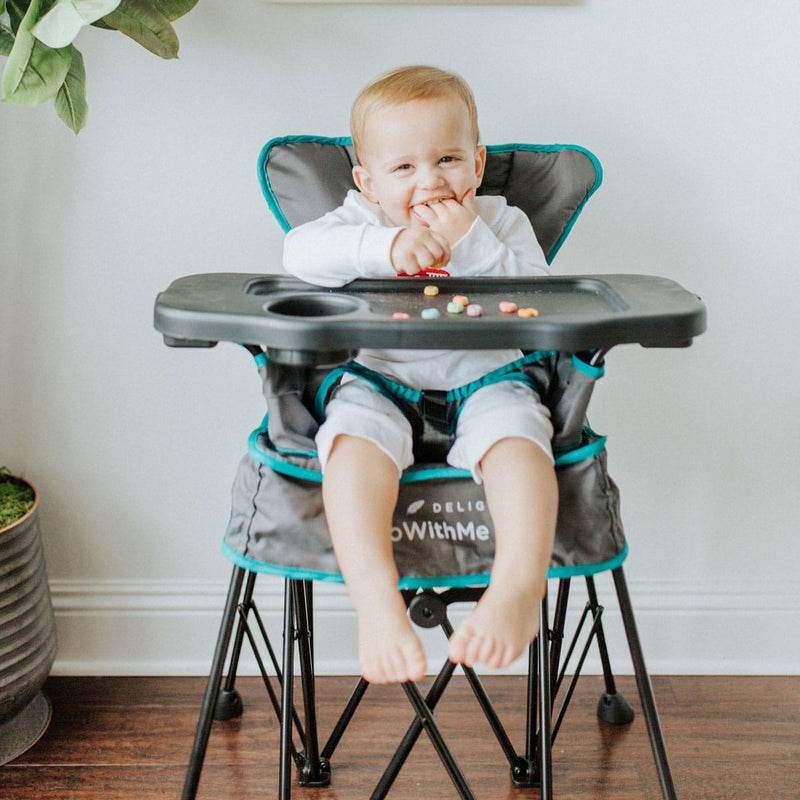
(359, 489)
(522, 495)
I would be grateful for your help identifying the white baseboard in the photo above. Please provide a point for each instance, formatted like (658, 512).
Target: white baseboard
(169, 628)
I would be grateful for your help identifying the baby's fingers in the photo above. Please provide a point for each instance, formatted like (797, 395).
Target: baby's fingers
(439, 248)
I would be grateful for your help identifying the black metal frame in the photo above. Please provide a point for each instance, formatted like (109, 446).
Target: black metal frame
(546, 673)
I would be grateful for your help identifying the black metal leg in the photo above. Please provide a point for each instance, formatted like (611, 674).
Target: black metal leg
(287, 694)
(594, 605)
(432, 729)
(344, 719)
(535, 767)
(212, 686)
(229, 701)
(559, 624)
(428, 610)
(612, 706)
(412, 734)
(545, 705)
(526, 776)
(645, 689)
(313, 771)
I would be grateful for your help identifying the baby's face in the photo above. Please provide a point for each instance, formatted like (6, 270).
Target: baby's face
(418, 153)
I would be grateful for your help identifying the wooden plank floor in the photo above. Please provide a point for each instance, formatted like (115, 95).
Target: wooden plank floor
(129, 739)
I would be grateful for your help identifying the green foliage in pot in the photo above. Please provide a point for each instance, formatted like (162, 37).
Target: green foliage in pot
(43, 64)
(16, 498)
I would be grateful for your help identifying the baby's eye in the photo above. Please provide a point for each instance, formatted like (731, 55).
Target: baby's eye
(402, 167)
(448, 159)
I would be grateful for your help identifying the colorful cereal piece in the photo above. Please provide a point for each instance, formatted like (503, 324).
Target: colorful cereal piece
(527, 312)
(507, 306)
(430, 291)
(474, 310)
(430, 313)
(455, 308)
(463, 299)
(400, 315)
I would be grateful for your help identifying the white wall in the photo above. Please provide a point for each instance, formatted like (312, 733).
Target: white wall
(693, 110)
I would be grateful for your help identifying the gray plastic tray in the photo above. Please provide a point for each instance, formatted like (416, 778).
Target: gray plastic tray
(299, 323)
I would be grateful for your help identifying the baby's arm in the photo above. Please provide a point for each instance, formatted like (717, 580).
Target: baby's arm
(332, 252)
(349, 243)
(342, 246)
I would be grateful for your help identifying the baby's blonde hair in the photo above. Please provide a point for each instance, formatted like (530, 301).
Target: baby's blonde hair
(403, 85)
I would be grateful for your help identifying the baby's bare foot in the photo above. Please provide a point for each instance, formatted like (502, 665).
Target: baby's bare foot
(388, 648)
(498, 630)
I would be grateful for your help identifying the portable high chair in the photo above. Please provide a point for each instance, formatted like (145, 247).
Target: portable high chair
(300, 336)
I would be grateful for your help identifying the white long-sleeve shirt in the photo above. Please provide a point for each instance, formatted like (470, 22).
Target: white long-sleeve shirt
(355, 241)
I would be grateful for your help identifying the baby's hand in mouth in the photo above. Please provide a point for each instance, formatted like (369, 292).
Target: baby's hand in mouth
(446, 215)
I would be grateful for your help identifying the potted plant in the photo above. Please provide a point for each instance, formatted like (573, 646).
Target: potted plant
(43, 64)
(27, 624)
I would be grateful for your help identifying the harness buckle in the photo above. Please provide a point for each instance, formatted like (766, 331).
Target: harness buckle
(436, 410)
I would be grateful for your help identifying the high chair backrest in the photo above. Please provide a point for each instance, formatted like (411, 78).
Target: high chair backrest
(304, 177)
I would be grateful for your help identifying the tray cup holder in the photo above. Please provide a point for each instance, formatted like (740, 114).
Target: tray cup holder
(314, 304)
(317, 305)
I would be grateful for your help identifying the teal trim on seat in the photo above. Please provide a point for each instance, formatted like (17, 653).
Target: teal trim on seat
(345, 141)
(582, 452)
(434, 473)
(413, 582)
(278, 465)
(263, 178)
(490, 379)
(293, 573)
(445, 582)
(595, 371)
(553, 148)
(324, 391)
(391, 390)
(584, 570)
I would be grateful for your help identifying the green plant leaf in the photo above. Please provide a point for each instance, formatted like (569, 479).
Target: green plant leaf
(63, 22)
(6, 41)
(70, 102)
(34, 72)
(16, 11)
(173, 9)
(140, 20)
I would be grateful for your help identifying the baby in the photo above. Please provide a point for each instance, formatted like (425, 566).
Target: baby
(415, 133)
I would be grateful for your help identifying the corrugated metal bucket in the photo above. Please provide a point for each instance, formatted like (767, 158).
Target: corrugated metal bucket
(27, 635)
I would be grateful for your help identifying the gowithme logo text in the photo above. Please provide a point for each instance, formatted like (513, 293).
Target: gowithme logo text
(433, 525)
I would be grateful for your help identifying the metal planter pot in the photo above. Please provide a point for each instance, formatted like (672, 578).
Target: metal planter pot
(27, 636)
